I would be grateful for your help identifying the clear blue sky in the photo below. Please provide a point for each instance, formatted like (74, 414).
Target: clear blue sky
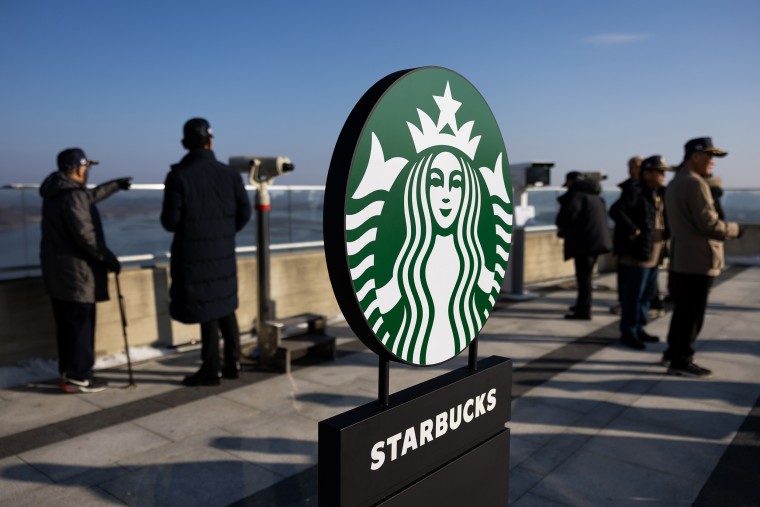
(584, 83)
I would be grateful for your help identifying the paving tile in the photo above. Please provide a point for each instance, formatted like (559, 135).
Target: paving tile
(330, 376)
(538, 422)
(521, 480)
(299, 393)
(521, 449)
(555, 452)
(590, 479)
(283, 442)
(26, 409)
(18, 478)
(63, 496)
(681, 418)
(639, 444)
(200, 476)
(193, 418)
(731, 396)
(87, 453)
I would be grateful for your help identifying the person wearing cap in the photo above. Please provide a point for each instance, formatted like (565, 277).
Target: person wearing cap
(75, 262)
(640, 236)
(205, 204)
(582, 222)
(696, 250)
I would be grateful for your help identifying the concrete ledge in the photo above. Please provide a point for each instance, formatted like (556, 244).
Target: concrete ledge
(299, 284)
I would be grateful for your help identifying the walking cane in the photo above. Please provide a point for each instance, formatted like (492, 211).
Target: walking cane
(123, 312)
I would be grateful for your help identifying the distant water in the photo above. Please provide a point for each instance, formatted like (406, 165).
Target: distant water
(132, 227)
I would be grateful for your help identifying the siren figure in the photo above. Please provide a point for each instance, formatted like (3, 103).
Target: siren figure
(441, 262)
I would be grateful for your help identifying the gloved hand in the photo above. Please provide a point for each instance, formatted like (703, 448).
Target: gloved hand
(111, 262)
(124, 183)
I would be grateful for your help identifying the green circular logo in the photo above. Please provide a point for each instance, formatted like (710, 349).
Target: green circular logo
(426, 214)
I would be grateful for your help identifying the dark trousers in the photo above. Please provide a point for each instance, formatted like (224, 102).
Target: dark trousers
(690, 297)
(638, 287)
(210, 343)
(584, 267)
(75, 335)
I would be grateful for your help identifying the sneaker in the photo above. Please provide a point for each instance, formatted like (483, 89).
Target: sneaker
(616, 310)
(665, 361)
(646, 337)
(632, 342)
(70, 385)
(201, 378)
(578, 316)
(689, 370)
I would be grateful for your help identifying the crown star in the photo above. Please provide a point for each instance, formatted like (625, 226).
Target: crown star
(448, 107)
(431, 133)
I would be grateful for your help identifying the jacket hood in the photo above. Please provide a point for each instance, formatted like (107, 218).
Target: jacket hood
(56, 183)
(586, 187)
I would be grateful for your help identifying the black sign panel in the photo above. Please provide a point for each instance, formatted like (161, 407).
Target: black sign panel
(369, 453)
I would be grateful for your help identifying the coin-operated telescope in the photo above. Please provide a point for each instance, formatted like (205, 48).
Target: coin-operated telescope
(261, 172)
(261, 169)
(529, 174)
(524, 175)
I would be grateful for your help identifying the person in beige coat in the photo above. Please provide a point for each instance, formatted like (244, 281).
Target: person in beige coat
(696, 252)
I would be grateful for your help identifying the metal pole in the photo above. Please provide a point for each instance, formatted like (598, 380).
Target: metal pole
(472, 360)
(263, 205)
(123, 312)
(383, 384)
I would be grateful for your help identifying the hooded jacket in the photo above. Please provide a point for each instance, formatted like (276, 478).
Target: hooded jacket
(582, 220)
(205, 204)
(73, 251)
(636, 209)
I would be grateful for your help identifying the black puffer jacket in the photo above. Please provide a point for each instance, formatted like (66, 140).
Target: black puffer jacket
(205, 204)
(582, 220)
(635, 209)
(73, 251)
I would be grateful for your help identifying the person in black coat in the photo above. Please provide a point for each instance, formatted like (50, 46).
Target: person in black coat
(634, 171)
(205, 205)
(640, 236)
(75, 262)
(582, 222)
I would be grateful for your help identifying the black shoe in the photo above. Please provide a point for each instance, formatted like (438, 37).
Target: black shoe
(616, 310)
(577, 316)
(646, 337)
(689, 370)
(572, 308)
(665, 361)
(201, 378)
(231, 372)
(632, 342)
(70, 385)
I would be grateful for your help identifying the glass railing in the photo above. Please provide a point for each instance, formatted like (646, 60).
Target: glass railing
(133, 230)
(134, 233)
(740, 205)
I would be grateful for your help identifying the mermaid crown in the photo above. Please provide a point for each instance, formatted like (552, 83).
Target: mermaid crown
(445, 132)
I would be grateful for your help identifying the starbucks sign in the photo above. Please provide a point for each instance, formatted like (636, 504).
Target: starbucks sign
(418, 216)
